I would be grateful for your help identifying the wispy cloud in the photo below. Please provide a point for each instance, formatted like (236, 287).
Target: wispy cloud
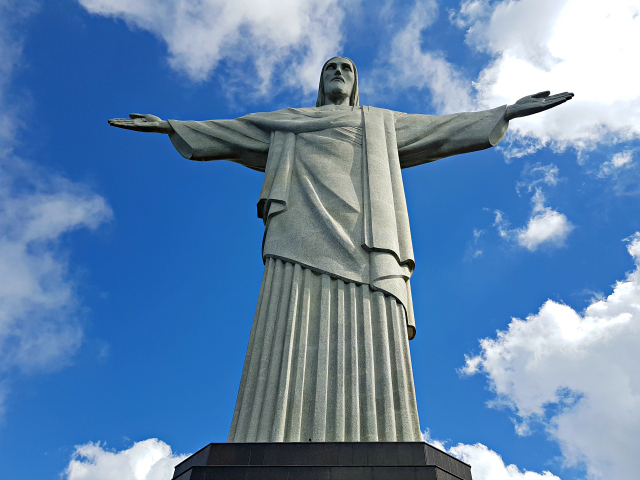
(38, 305)
(39, 308)
(413, 67)
(619, 162)
(623, 173)
(577, 373)
(293, 35)
(474, 249)
(538, 175)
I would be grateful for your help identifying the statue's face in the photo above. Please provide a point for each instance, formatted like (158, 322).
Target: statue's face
(338, 77)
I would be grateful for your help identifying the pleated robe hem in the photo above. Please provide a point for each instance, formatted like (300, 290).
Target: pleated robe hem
(327, 361)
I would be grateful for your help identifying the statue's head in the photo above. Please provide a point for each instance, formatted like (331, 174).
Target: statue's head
(339, 78)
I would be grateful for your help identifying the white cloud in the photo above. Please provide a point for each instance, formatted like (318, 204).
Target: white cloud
(288, 39)
(12, 14)
(485, 463)
(620, 161)
(538, 175)
(149, 459)
(589, 47)
(623, 173)
(39, 326)
(469, 12)
(414, 68)
(578, 373)
(488, 465)
(38, 305)
(474, 249)
(545, 226)
(152, 459)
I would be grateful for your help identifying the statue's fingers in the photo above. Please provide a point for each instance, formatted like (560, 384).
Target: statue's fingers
(541, 94)
(560, 96)
(551, 98)
(136, 115)
(121, 122)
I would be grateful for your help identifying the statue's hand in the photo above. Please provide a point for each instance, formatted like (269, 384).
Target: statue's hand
(142, 123)
(536, 103)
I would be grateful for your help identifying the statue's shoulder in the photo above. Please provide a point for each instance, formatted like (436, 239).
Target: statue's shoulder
(328, 110)
(320, 112)
(384, 111)
(323, 111)
(286, 113)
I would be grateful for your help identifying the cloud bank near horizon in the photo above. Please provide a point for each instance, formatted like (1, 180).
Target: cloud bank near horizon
(152, 459)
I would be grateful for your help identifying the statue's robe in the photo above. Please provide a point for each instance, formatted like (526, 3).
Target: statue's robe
(328, 356)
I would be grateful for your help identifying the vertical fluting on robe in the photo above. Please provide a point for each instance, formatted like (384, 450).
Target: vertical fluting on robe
(327, 361)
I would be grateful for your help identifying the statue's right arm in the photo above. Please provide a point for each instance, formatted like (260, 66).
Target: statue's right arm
(238, 140)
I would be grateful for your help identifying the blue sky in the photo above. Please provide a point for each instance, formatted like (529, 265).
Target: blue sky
(129, 276)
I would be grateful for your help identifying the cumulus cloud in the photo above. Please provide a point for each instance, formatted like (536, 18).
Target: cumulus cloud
(578, 374)
(415, 68)
(297, 35)
(485, 463)
(149, 459)
(589, 47)
(545, 226)
(488, 465)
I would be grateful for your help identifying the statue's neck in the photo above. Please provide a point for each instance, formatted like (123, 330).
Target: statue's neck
(336, 100)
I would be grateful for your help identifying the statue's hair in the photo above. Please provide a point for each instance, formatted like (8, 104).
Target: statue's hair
(354, 98)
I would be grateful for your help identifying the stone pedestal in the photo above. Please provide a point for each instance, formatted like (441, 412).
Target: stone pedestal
(322, 461)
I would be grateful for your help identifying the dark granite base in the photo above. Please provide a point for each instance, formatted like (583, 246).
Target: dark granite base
(322, 461)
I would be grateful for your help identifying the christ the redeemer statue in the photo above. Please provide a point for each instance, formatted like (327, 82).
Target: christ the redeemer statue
(328, 356)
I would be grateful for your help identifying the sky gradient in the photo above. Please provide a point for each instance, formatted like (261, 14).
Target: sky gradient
(129, 275)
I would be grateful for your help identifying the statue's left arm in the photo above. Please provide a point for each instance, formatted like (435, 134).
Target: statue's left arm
(425, 138)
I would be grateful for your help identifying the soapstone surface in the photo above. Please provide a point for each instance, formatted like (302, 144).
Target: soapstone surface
(328, 357)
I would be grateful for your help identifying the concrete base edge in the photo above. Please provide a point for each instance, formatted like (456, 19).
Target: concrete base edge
(322, 461)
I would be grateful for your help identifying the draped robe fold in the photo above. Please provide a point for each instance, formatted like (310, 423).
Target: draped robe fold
(333, 202)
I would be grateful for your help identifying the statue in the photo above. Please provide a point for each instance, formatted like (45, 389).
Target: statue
(328, 356)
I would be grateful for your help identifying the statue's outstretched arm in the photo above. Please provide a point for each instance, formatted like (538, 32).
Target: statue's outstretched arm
(535, 103)
(142, 123)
